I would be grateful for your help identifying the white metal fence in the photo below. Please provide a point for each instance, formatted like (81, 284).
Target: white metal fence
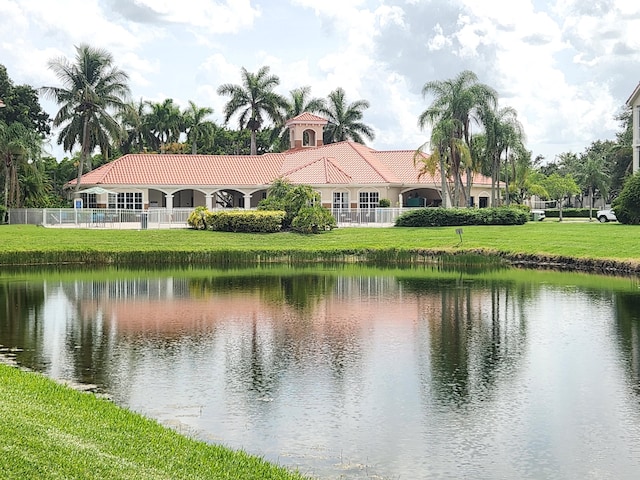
(101, 217)
(156, 218)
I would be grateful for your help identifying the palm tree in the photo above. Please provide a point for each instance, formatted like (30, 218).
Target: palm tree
(503, 133)
(198, 128)
(93, 88)
(345, 119)
(300, 102)
(459, 99)
(36, 188)
(444, 145)
(254, 101)
(165, 122)
(592, 176)
(136, 135)
(18, 145)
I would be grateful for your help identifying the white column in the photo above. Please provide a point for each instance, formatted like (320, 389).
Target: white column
(247, 201)
(209, 200)
(169, 198)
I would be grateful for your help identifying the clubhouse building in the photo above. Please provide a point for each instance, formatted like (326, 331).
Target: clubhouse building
(347, 175)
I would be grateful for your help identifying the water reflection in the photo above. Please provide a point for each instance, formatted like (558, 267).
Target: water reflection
(356, 373)
(473, 332)
(628, 330)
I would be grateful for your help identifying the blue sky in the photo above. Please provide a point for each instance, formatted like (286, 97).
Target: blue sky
(566, 66)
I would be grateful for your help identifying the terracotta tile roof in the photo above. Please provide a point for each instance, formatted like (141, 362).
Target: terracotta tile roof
(319, 172)
(153, 169)
(345, 163)
(402, 164)
(355, 160)
(307, 117)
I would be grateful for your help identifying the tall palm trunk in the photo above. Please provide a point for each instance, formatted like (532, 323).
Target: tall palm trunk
(506, 175)
(84, 152)
(467, 191)
(495, 181)
(7, 163)
(443, 180)
(254, 143)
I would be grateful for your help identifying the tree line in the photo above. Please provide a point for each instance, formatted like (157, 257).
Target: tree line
(470, 133)
(498, 151)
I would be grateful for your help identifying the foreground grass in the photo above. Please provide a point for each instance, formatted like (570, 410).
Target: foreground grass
(580, 240)
(51, 431)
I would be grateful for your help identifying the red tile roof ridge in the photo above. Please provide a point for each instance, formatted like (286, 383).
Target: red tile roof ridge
(102, 170)
(401, 150)
(325, 160)
(373, 161)
(170, 156)
(307, 117)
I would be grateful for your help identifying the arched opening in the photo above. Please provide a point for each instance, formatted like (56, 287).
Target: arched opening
(421, 197)
(308, 138)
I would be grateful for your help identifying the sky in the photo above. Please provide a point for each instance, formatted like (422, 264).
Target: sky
(566, 66)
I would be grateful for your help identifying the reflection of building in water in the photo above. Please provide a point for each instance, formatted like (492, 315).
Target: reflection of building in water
(125, 289)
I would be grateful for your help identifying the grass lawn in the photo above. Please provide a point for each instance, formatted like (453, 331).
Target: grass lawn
(582, 240)
(49, 431)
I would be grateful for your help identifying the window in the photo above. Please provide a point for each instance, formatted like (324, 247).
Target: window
(89, 200)
(126, 200)
(309, 138)
(369, 199)
(340, 200)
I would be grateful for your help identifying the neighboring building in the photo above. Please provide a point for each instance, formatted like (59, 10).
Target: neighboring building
(346, 174)
(634, 103)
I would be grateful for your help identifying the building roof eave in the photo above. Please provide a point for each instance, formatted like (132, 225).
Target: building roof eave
(632, 98)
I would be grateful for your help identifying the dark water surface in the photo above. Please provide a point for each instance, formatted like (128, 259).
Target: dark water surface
(356, 373)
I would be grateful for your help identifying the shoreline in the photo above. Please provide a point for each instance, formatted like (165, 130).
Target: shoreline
(378, 256)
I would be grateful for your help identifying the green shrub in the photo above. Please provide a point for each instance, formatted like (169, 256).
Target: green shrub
(198, 218)
(447, 217)
(627, 205)
(283, 195)
(246, 221)
(314, 219)
(384, 203)
(568, 213)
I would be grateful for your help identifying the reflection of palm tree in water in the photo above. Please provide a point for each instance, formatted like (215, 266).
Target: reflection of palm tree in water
(469, 346)
(21, 307)
(628, 331)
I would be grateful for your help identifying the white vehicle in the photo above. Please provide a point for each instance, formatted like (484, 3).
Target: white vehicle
(605, 216)
(537, 215)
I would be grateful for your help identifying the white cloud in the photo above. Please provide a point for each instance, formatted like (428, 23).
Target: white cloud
(227, 17)
(566, 68)
(439, 41)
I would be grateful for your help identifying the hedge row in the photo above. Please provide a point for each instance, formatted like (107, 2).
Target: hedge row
(570, 213)
(447, 217)
(247, 221)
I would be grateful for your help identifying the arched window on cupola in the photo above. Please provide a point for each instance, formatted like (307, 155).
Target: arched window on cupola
(309, 138)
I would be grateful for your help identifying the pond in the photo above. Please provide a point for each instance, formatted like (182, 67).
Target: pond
(354, 372)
